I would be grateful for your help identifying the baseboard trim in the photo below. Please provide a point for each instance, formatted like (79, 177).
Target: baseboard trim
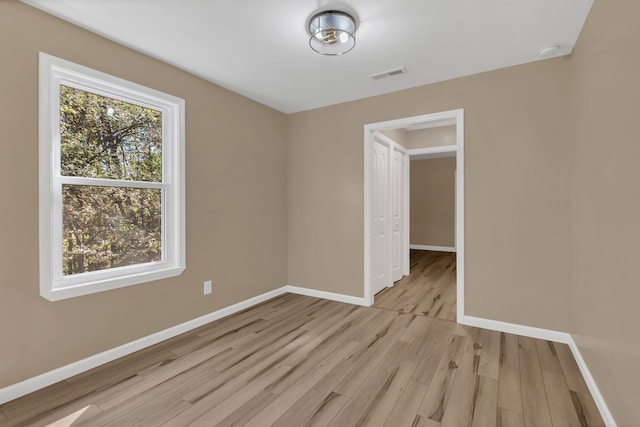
(326, 295)
(43, 380)
(607, 416)
(433, 248)
(550, 335)
(513, 328)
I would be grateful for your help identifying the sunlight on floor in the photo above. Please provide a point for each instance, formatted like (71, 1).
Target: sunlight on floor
(75, 417)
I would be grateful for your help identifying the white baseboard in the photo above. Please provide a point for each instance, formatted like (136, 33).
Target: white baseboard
(433, 248)
(550, 335)
(43, 380)
(607, 416)
(327, 295)
(513, 328)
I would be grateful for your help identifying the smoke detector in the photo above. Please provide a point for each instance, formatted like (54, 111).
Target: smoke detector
(549, 51)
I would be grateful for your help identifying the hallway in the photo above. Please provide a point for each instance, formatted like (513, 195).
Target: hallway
(430, 289)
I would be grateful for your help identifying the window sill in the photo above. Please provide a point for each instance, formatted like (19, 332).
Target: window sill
(56, 294)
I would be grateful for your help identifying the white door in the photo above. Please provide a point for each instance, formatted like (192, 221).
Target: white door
(407, 209)
(380, 208)
(397, 214)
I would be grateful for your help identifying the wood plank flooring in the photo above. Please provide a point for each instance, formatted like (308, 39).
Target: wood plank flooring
(430, 289)
(303, 361)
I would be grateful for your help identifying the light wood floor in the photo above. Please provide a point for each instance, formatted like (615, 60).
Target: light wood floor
(302, 361)
(430, 289)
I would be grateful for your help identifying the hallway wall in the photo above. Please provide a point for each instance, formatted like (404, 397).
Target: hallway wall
(432, 202)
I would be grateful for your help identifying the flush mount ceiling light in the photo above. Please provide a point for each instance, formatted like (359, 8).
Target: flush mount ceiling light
(332, 32)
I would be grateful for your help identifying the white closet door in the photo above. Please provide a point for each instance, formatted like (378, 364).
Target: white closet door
(407, 209)
(380, 208)
(397, 214)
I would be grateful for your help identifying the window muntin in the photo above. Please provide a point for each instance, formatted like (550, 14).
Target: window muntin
(111, 183)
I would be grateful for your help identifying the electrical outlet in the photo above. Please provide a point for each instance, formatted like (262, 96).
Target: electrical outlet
(207, 287)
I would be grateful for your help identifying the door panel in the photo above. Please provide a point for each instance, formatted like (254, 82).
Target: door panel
(397, 215)
(380, 202)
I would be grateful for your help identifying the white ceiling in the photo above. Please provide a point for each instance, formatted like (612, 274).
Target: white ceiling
(259, 48)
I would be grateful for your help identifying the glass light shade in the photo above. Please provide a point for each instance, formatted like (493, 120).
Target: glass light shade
(332, 32)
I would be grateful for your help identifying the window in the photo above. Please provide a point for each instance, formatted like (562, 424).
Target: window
(111, 182)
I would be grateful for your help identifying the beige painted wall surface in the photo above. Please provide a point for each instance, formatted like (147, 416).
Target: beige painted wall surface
(431, 137)
(398, 135)
(432, 202)
(235, 204)
(517, 207)
(605, 204)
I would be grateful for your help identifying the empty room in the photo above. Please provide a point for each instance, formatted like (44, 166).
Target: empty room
(296, 213)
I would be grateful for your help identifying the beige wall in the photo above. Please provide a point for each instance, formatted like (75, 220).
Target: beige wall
(431, 137)
(551, 207)
(398, 135)
(235, 204)
(432, 201)
(517, 209)
(605, 203)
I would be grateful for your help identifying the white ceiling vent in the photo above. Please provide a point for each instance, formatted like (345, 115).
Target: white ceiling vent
(388, 73)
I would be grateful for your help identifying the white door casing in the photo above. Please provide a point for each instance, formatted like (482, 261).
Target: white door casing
(445, 118)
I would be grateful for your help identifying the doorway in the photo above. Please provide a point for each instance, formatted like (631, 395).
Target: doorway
(376, 270)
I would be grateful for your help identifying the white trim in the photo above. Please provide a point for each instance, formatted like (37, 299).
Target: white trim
(407, 213)
(549, 335)
(459, 220)
(43, 380)
(433, 248)
(432, 124)
(432, 156)
(452, 116)
(348, 299)
(367, 217)
(433, 150)
(513, 328)
(606, 414)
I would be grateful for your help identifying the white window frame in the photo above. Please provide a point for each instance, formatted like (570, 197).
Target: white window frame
(53, 284)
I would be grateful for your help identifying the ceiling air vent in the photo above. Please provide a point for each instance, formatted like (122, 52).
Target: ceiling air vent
(388, 73)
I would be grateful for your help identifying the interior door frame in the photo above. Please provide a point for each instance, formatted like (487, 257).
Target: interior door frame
(445, 117)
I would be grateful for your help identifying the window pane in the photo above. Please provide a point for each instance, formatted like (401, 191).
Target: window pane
(108, 227)
(106, 138)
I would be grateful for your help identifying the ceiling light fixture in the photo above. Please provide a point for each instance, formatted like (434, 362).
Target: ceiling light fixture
(332, 32)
